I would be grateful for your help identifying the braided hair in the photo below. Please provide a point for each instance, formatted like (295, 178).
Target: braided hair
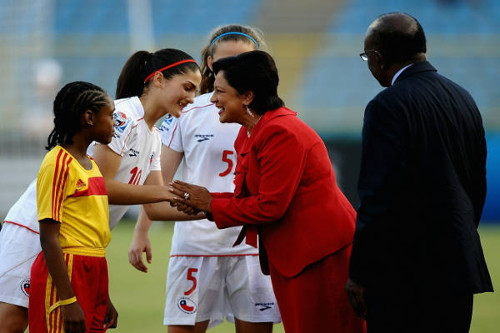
(70, 103)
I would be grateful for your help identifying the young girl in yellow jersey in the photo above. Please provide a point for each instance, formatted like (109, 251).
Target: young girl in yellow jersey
(69, 278)
(150, 86)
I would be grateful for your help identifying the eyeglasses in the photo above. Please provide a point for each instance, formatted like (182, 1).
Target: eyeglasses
(364, 55)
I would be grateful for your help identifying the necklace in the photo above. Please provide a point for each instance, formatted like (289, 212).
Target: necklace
(249, 131)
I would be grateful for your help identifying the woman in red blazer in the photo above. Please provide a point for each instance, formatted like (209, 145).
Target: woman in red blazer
(286, 193)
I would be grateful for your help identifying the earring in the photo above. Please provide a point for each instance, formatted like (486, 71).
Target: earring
(249, 111)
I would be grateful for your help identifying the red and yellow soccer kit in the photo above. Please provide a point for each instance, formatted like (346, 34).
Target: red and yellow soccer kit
(76, 198)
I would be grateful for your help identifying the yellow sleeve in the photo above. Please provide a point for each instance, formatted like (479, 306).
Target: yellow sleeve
(52, 186)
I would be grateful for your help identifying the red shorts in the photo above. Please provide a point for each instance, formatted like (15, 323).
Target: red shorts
(316, 300)
(89, 279)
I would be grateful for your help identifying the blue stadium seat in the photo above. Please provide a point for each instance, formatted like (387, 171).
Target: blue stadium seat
(91, 27)
(169, 17)
(455, 17)
(91, 17)
(173, 17)
(336, 78)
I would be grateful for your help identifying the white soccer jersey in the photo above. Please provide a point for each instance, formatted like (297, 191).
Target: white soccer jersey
(24, 212)
(139, 148)
(209, 161)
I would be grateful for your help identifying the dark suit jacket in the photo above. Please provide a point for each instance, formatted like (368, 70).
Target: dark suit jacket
(422, 187)
(286, 186)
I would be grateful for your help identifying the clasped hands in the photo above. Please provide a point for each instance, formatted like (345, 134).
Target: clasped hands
(189, 198)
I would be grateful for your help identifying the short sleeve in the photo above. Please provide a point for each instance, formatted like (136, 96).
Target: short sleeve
(52, 189)
(123, 128)
(156, 158)
(170, 131)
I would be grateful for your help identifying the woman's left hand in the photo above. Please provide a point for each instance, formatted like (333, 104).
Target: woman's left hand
(356, 295)
(191, 195)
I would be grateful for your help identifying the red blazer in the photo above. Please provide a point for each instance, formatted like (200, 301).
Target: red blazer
(285, 185)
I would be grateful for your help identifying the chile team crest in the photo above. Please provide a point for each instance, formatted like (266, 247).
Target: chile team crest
(25, 287)
(186, 305)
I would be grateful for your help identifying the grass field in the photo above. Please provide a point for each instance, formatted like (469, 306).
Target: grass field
(140, 297)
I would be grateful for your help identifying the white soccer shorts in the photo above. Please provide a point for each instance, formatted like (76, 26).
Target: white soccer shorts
(19, 247)
(214, 288)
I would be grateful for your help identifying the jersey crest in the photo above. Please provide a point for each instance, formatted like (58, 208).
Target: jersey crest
(121, 121)
(186, 305)
(167, 123)
(25, 287)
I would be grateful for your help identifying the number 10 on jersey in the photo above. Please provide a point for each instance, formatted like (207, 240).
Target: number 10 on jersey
(136, 176)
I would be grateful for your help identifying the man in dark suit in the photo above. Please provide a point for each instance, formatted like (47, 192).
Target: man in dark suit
(417, 258)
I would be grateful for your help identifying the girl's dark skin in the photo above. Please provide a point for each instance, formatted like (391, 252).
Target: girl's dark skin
(94, 127)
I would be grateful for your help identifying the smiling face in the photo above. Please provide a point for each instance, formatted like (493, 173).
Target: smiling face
(230, 103)
(179, 91)
(227, 99)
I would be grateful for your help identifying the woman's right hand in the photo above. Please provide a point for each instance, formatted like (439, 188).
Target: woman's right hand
(182, 207)
(189, 195)
(73, 318)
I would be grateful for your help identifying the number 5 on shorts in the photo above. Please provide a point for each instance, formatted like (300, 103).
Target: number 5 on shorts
(192, 278)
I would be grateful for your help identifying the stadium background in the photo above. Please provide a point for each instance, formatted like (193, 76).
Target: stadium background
(316, 44)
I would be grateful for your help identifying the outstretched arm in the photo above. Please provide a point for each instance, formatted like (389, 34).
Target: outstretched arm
(162, 211)
(126, 194)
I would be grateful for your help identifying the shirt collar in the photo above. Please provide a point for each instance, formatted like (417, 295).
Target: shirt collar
(399, 73)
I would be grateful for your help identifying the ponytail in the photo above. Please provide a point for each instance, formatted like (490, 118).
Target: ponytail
(142, 64)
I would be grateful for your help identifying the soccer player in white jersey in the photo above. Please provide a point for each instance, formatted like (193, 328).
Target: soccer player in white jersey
(209, 279)
(150, 86)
